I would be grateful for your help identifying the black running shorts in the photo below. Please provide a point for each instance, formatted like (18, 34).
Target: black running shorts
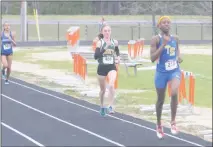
(103, 70)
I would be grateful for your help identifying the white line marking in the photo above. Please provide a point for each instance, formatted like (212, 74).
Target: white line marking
(60, 120)
(22, 134)
(178, 138)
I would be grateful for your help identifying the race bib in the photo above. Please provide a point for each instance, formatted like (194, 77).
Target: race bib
(108, 59)
(7, 46)
(171, 64)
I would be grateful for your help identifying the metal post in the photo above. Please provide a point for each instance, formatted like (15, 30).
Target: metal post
(139, 30)
(1, 17)
(27, 32)
(24, 20)
(1, 76)
(58, 31)
(154, 24)
(201, 31)
(132, 34)
(86, 32)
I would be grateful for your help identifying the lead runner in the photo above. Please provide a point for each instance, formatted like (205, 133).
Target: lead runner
(165, 49)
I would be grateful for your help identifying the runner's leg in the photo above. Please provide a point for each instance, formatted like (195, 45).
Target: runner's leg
(175, 82)
(5, 64)
(112, 77)
(160, 84)
(9, 61)
(102, 83)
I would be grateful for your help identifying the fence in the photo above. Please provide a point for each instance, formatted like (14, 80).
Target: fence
(80, 69)
(55, 30)
(79, 66)
(135, 48)
(72, 37)
(182, 88)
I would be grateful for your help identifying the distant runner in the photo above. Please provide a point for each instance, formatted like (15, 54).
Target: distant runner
(8, 41)
(100, 35)
(101, 23)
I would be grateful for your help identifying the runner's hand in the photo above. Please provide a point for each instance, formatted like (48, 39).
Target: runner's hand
(180, 60)
(165, 39)
(9, 37)
(117, 60)
(108, 44)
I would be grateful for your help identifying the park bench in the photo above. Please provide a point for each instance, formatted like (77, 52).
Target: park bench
(124, 60)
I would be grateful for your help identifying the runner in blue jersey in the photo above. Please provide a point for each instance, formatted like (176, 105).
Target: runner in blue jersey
(165, 50)
(7, 43)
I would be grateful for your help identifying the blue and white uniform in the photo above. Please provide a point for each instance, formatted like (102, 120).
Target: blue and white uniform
(167, 65)
(6, 46)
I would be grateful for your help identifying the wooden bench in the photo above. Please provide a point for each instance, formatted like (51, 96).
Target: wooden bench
(127, 62)
(124, 60)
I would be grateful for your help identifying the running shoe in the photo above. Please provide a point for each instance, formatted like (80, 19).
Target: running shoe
(174, 129)
(3, 74)
(110, 110)
(159, 131)
(6, 82)
(103, 112)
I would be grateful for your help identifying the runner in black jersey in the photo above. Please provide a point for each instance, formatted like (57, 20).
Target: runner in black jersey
(107, 55)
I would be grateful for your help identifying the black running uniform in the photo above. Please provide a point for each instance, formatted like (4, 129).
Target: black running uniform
(106, 57)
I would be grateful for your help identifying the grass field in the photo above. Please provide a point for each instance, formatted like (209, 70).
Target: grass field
(120, 31)
(200, 65)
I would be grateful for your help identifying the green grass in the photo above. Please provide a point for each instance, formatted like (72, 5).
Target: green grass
(40, 80)
(148, 97)
(25, 56)
(65, 66)
(200, 65)
(26, 52)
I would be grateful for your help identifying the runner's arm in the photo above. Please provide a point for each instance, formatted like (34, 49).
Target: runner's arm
(117, 51)
(95, 39)
(98, 51)
(154, 52)
(13, 39)
(178, 49)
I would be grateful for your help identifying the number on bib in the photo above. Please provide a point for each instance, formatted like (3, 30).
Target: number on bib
(171, 64)
(7, 46)
(108, 60)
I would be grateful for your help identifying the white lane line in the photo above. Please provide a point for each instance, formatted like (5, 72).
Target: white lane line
(22, 134)
(129, 122)
(65, 122)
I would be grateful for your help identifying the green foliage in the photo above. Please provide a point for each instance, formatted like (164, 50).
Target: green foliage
(110, 7)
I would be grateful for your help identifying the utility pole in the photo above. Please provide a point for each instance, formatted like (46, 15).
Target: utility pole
(24, 20)
(1, 14)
